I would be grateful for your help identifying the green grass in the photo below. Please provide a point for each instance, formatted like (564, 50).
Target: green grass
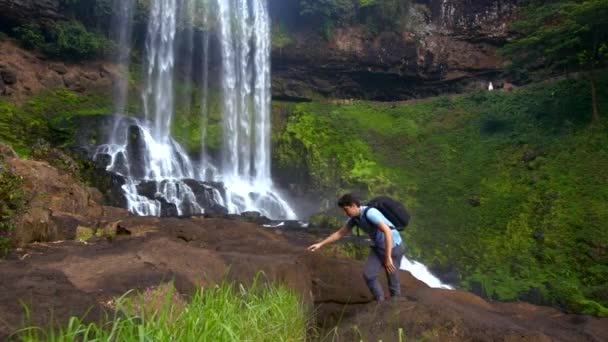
(222, 313)
(540, 226)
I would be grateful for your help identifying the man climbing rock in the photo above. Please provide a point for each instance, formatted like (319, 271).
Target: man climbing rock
(386, 251)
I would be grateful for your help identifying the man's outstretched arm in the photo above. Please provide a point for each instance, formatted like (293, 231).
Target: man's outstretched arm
(340, 233)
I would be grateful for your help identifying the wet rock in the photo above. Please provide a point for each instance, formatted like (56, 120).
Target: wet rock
(116, 196)
(167, 209)
(204, 191)
(120, 164)
(148, 189)
(102, 161)
(255, 217)
(136, 149)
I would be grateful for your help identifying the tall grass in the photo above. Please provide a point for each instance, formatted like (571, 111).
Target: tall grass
(222, 313)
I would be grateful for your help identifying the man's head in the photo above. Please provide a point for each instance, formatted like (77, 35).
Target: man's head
(350, 204)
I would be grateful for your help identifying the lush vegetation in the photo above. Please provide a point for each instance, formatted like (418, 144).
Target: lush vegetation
(506, 188)
(562, 35)
(66, 39)
(12, 200)
(223, 313)
(46, 117)
(375, 15)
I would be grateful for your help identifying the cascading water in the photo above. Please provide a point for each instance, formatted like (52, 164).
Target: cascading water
(159, 176)
(245, 41)
(121, 33)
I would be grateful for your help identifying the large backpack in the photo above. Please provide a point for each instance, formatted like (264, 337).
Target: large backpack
(391, 209)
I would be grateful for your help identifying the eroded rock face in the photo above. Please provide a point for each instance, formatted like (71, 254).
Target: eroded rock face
(24, 73)
(449, 45)
(24, 11)
(55, 204)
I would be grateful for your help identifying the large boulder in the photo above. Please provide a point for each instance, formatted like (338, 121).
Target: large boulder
(55, 203)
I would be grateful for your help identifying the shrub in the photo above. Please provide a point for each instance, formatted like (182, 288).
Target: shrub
(11, 195)
(67, 39)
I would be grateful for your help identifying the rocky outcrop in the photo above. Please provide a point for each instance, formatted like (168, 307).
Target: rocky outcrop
(448, 46)
(55, 204)
(23, 73)
(26, 11)
(72, 278)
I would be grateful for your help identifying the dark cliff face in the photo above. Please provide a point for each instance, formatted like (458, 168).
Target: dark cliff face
(25, 11)
(449, 46)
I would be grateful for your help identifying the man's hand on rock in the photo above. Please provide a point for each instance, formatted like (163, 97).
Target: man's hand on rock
(314, 247)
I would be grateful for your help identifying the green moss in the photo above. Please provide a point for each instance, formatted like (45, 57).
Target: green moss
(188, 122)
(508, 188)
(11, 193)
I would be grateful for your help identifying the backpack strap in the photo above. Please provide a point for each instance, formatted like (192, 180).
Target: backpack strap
(365, 213)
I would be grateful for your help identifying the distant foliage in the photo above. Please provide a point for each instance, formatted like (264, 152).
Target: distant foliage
(11, 200)
(280, 36)
(508, 189)
(562, 35)
(376, 15)
(67, 39)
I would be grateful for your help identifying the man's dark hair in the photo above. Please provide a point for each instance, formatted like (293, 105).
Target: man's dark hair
(348, 199)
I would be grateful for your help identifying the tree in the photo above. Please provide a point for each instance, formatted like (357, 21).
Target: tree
(563, 35)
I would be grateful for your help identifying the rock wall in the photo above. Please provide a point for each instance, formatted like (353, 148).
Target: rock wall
(25, 11)
(448, 46)
(24, 73)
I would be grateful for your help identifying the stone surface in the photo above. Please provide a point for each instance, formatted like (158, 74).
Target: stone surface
(72, 278)
(26, 11)
(28, 73)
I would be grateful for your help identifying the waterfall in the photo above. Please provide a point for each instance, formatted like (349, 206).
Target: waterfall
(245, 46)
(422, 273)
(159, 177)
(121, 32)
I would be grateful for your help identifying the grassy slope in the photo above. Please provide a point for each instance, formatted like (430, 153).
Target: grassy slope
(540, 227)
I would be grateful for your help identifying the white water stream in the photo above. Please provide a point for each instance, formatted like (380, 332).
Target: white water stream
(143, 151)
